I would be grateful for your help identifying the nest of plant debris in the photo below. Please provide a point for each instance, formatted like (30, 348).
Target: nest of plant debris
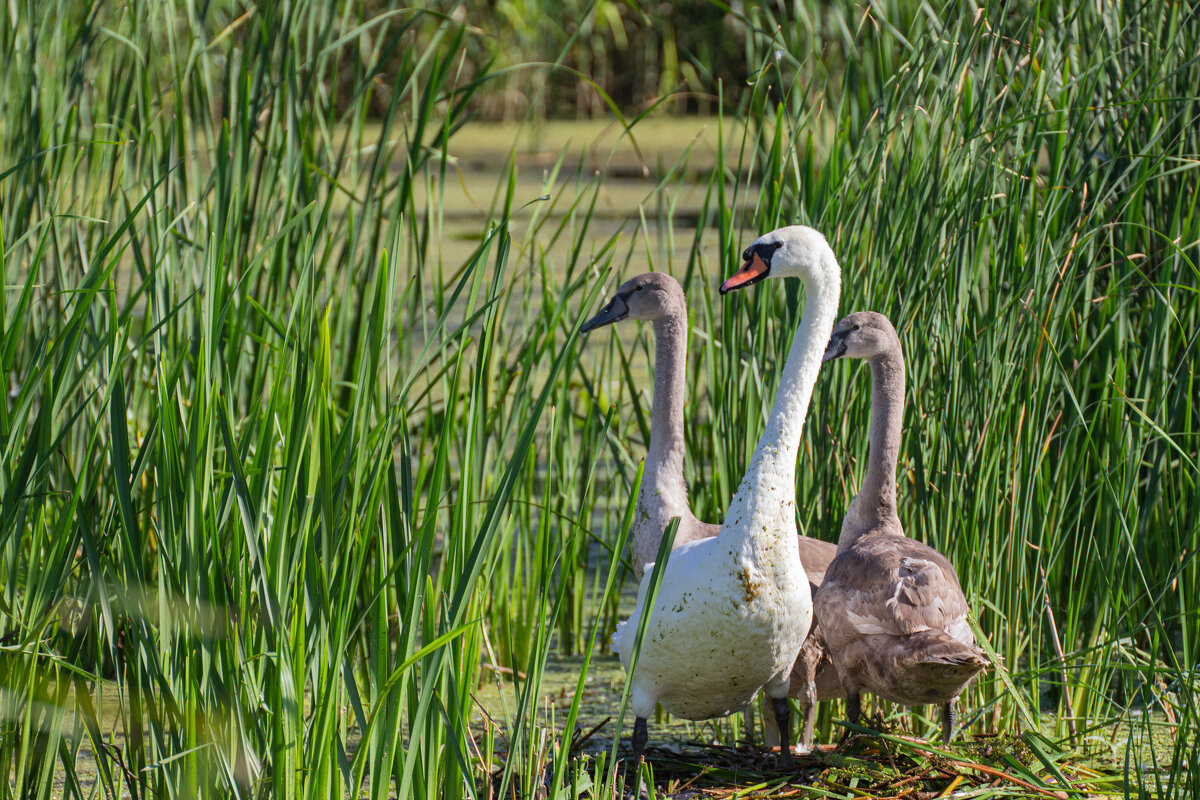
(870, 766)
(867, 765)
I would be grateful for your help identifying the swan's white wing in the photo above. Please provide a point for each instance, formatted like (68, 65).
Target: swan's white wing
(626, 632)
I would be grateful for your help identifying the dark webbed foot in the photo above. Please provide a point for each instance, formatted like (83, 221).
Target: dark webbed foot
(783, 719)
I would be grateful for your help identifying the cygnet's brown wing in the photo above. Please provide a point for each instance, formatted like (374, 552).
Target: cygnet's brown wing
(928, 595)
(816, 555)
(894, 585)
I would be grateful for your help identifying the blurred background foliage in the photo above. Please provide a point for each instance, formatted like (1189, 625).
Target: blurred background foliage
(579, 58)
(299, 447)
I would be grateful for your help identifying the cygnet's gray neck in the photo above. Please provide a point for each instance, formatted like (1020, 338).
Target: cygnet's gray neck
(664, 461)
(874, 507)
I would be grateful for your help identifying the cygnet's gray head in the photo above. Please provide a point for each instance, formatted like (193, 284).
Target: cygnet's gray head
(650, 296)
(863, 334)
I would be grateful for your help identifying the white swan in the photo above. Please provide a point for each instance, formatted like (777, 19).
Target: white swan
(658, 298)
(732, 611)
(892, 611)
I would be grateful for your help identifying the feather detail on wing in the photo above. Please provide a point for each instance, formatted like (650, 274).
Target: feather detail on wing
(927, 596)
(916, 591)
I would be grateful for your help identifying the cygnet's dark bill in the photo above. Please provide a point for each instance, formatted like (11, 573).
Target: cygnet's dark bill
(753, 271)
(836, 347)
(615, 311)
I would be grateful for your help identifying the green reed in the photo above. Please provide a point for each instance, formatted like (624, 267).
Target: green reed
(1021, 202)
(281, 484)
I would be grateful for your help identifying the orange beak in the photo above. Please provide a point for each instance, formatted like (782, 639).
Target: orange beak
(751, 272)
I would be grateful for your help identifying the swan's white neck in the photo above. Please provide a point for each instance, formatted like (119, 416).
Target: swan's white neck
(763, 510)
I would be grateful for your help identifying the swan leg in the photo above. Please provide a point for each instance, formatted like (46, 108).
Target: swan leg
(770, 729)
(853, 712)
(783, 718)
(948, 718)
(748, 723)
(809, 708)
(640, 735)
(854, 708)
(808, 702)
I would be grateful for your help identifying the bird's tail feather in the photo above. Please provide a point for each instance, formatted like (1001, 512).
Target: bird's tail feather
(937, 652)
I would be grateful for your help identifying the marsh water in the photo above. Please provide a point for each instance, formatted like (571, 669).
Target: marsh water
(659, 168)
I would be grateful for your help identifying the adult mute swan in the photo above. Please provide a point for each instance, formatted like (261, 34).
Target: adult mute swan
(891, 609)
(658, 298)
(732, 611)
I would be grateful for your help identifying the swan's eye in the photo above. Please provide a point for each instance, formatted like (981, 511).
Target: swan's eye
(641, 286)
(777, 245)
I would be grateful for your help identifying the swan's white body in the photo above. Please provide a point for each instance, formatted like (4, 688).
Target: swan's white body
(728, 621)
(732, 611)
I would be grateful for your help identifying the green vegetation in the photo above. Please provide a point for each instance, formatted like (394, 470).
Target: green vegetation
(281, 481)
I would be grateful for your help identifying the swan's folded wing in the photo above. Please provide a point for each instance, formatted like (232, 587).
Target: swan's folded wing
(917, 593)
(615, 640)
(628, 628)
(927, 596)
(815, 556)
